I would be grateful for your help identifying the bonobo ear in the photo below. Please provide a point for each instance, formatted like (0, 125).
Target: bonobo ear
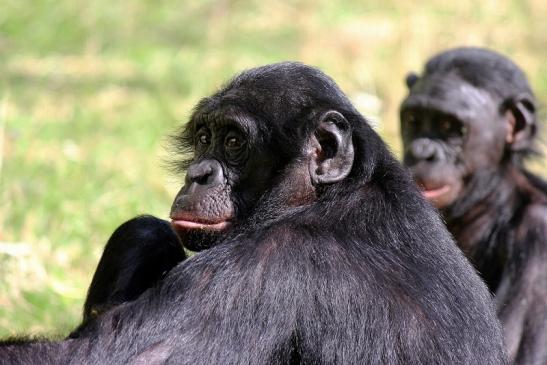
(332, 155)
(522, 122)
(411, 79)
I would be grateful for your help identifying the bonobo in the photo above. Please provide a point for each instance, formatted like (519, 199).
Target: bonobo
(468, 123)
(316, 248)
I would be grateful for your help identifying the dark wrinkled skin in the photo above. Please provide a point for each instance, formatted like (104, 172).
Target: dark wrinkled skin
(320, 250)
(467, 125)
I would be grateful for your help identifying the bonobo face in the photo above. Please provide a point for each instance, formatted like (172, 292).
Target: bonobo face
(224, 178)
(450, 130)
(271, 141)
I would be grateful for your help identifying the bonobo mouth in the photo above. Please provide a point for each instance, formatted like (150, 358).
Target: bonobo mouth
(434, 193)
(185, 222)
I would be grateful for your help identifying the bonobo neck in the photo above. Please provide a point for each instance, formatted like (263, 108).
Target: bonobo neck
(481, 220)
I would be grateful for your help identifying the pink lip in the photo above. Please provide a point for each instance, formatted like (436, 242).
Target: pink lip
(435, 193)
(187, 225)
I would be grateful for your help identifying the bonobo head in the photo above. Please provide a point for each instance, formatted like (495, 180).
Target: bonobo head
(275, 136)
(469, 114)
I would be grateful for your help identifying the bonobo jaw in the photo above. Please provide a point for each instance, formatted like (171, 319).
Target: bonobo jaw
(252, 165)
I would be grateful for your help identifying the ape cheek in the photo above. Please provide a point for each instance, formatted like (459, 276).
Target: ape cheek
(483, 151)
(298, 187)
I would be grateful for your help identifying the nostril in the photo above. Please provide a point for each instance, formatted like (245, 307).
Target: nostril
(203, 179)
(198, 174)
(423, 150)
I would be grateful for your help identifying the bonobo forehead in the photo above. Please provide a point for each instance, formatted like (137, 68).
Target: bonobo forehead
(214, 115)
(449, 94)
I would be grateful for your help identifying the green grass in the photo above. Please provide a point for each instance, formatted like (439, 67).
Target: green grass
(89, 90)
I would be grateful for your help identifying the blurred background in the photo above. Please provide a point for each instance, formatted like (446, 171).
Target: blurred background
(90, 89)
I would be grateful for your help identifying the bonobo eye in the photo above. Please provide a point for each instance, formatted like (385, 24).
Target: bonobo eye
(410, 119)
(410, 123)
(234, 150)
(451, 128)
(203, 137)
(233, 141)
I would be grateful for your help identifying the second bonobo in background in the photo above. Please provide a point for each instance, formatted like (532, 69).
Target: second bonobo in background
(467, 124)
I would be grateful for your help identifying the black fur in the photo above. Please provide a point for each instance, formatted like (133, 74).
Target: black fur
(365, 273)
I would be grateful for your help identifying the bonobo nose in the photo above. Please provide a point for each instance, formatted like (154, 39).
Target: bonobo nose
(206, 172)
(423, 149)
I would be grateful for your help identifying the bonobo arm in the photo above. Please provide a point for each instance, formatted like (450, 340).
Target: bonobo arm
(522, 295)
(138, 254)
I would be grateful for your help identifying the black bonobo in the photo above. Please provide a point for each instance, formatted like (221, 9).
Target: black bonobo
(468, 123)
(316, 248)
